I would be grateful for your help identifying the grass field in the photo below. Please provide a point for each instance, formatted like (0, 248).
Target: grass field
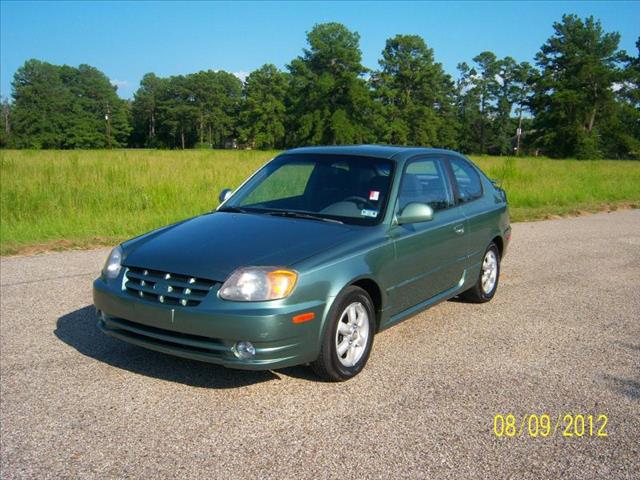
(68, 199)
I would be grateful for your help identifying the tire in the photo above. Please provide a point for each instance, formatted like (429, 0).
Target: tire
(483, 292)
(350, 325)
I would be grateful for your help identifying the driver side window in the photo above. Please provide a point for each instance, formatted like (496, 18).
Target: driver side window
(425, 181)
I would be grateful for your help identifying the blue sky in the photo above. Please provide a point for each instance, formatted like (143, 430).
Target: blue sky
(127, 39)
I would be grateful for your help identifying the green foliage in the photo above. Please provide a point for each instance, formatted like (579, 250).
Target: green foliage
(263, 114)
(415, 95)
(180, 111)
(329, 101)
(66, 107)
(574, 99)
(217, 98)
(582, 101)
(488, 91)
(5, 124)
(586, 145)
(144, 111)
(621, 135)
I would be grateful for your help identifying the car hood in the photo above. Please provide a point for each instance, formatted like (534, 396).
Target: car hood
(213, 245)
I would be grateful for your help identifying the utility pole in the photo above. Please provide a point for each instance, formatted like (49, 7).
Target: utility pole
(519, 134)
(107, 117)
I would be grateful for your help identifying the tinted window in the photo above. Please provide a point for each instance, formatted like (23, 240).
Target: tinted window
(286, 182)
(351, 189)
(425, 181)
(467, 179)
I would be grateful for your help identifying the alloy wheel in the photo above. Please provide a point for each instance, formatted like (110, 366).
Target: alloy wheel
(352, 334)
(489, 271)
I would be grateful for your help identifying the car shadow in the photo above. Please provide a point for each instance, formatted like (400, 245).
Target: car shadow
(79, 330)
(456, 299)
(629, 387)
(624, 386)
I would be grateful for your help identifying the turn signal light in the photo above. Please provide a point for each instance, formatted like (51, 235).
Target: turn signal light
(303, 317)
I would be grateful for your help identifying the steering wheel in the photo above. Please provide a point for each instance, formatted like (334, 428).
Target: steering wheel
(360, 202)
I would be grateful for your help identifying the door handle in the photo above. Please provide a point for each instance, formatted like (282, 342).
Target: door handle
(459, 229)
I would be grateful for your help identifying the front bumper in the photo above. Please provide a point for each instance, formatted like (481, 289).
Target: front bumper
(209, 331)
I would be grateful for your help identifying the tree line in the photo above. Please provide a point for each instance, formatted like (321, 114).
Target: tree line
(581, 98)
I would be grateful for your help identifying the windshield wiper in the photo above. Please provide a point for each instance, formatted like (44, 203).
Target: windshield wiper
(293, 214)
(233, 210)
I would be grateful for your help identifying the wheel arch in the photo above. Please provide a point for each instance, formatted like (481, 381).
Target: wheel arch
(369, 285)
(375, 292)
(498, 240)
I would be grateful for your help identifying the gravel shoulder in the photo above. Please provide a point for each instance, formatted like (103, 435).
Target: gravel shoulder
(562, 336)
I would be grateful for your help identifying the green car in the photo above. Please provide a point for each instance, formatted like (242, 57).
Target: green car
(310, 257)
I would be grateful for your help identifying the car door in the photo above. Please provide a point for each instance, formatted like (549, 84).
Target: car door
(469, 195)
(430, 256)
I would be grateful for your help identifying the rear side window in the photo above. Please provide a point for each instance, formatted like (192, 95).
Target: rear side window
(424, 181)
(467, 179)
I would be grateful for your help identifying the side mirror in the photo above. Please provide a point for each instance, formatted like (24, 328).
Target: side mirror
(415, 213)
(224, 194)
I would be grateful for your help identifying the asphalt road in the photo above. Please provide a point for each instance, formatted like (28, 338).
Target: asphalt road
(561, 337)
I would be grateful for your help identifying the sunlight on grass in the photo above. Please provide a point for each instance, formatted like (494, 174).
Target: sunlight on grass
(538, 187)
(102, 197)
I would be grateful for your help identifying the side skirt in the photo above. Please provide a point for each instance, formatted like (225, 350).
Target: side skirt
(411, 311)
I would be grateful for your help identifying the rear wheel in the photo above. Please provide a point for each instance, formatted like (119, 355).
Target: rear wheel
(348, 336)
(487, 284)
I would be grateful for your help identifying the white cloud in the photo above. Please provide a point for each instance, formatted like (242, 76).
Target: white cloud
(242, 75)
(119, 83)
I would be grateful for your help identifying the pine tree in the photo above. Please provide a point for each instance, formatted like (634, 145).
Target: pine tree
(263, 113)
(329, 102)
(574, 99)
(416, 96)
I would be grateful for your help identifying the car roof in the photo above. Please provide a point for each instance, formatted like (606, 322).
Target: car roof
(378, 151)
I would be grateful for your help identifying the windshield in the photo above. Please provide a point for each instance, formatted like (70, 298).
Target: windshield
(349, 189)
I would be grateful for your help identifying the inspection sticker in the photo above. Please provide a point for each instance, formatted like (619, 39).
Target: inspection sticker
(369, 213)
(374, 195)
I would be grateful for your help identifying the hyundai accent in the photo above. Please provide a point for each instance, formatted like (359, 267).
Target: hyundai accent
(319, 250)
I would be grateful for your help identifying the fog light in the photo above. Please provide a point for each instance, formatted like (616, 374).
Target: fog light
(244, 350)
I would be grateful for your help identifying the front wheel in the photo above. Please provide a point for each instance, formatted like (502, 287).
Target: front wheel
(487, 284)
(348, 336)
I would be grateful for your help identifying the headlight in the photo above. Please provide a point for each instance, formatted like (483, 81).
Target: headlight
(113, 264)
(255, 284)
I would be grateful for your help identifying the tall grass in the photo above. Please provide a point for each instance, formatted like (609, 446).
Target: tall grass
(540, 187)
(78, 198)
(105, 196)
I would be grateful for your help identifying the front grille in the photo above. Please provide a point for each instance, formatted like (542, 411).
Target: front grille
(168, 288)
(160, 336)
